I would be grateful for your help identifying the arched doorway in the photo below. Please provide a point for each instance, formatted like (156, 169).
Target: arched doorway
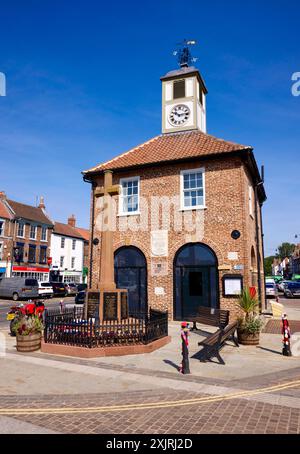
(195, 280)
(131, 273)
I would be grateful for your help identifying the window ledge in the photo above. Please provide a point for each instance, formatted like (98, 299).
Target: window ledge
(134, 213)
(196, 208)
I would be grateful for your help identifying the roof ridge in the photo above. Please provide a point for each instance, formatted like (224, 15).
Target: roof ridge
(122, 154)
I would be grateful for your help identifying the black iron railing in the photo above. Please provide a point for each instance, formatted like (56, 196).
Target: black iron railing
(68, 327)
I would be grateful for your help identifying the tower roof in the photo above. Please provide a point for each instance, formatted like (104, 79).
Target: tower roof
(184, 72)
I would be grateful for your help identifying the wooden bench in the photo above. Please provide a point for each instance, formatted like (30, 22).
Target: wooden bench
(210, 316)
(215, 341)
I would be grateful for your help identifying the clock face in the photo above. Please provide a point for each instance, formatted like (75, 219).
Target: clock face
(179, 114)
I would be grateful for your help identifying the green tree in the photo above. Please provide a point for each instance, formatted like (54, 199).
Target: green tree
(268, 265)
(285, 250)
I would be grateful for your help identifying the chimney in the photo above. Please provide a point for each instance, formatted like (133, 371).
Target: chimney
(72, 221)
(2, 195)
(42, 203)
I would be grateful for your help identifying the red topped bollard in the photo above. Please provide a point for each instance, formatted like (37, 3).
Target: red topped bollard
(286, 336)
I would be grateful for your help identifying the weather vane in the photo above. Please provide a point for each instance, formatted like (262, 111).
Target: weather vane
(183, 53)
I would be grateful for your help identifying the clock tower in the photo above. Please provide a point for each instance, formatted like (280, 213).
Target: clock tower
(183, 96)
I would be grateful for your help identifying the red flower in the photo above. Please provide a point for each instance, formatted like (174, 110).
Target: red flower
(23, 328)
(20, 330)
(252, 291)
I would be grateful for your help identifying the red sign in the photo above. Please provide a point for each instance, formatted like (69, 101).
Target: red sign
(49, 260)
(31, 268)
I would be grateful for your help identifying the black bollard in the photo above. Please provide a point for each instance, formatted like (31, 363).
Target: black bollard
(185, 365)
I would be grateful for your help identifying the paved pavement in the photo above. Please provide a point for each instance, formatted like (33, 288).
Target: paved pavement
(257, 391)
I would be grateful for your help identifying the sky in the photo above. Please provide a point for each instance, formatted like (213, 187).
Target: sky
(83, 85)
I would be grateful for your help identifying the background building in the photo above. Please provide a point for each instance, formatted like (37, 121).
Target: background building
(25, 239)
(68, 249)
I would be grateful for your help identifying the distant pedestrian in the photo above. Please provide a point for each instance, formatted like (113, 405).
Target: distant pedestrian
(185, 366)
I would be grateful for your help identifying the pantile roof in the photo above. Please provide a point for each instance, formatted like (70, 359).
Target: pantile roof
(67, 230)
(4, 211)
(170, 147)
(85, 233)
(29, 212)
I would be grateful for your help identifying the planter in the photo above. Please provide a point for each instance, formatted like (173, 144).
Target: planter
(29, 343)
(246, 338)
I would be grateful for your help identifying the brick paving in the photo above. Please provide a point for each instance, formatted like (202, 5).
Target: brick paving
(237, 416)
(274, 326)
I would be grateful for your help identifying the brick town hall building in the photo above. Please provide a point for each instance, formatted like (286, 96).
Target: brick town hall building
(187, 225)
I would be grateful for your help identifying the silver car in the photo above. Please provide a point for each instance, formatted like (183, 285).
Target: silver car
(271, 290)
(19, 287)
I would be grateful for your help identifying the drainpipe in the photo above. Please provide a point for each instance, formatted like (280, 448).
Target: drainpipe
(257, 246)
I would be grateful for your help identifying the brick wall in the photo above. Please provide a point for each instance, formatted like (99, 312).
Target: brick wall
(226, 183)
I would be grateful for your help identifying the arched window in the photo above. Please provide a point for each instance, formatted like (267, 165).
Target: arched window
(131, 274)
(195, 280)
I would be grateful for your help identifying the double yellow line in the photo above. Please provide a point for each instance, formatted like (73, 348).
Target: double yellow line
(150, 405)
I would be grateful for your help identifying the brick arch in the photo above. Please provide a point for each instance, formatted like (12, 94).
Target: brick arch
(136, 243)
(178, 244)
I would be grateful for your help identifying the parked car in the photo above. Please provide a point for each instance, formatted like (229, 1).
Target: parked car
(59, 289)
(45, 289)
(80, 297)
(81, 287)
(19, 287)
(282, 285)
(72, 288)
(292, 290)
(271, 290)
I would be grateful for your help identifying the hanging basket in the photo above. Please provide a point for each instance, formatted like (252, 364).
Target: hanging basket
(29, 343)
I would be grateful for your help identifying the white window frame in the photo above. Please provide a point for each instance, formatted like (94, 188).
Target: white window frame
(62, 240)
(73, 245)
(46, 236)
(63, 261)
(35, 230)
(73, 261)
(1, 250)
(18, 224)
(182, 190)
(121, 210)
(3, 227)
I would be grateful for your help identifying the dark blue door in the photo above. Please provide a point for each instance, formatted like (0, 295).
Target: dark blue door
(131, 274)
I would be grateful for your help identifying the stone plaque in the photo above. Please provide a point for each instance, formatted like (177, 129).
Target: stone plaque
(159, 243)
(159, 269)
(124, 305)
(110, 306)
(159, 291)
(93, 301)
(233, 256)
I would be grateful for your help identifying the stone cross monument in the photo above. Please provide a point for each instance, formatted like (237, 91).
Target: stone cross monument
(107, 302)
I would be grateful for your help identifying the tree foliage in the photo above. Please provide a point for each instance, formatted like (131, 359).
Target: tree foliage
(285, 250)
(268, 265)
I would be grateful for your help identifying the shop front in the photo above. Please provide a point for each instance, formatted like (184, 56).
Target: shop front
(34, 272)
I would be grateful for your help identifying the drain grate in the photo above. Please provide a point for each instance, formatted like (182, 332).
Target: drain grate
(274, 326)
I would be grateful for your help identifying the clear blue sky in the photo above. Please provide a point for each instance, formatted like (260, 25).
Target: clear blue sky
(83, 85)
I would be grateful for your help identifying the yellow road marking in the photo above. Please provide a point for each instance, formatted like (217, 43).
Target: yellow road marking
(150, 405)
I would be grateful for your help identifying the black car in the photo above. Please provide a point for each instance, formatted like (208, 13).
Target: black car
(81, 287)
(59, 289)
(292, 290)
(80, 297)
